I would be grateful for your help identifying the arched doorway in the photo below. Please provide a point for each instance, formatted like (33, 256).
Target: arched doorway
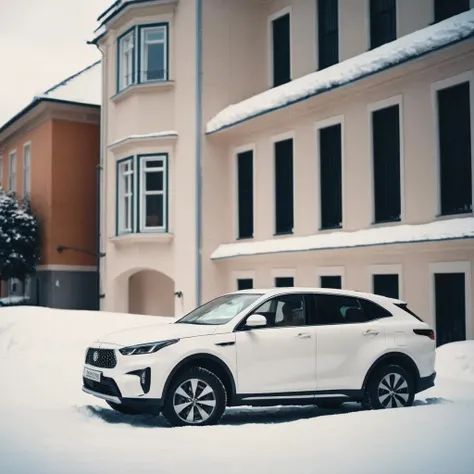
(151, 292)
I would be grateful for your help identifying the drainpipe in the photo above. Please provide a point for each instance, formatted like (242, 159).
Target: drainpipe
(199, 131)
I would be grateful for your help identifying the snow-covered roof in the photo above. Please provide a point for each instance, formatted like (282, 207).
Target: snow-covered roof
(450, 229)
(84, 87)
(408, 47)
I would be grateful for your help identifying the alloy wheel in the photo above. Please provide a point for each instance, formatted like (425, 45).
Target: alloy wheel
(392, 391)
(194, 401)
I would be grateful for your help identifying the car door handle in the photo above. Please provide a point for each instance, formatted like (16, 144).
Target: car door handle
(303, 335)
(370, 332)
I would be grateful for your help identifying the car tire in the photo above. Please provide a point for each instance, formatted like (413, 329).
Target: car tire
(124, 409)
(390, 386)
(196, 397)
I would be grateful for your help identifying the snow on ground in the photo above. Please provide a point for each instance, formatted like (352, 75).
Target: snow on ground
(49, 426)
(460, 228)
(403, 49)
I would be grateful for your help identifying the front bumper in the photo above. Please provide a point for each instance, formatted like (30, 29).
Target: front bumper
(424, 383)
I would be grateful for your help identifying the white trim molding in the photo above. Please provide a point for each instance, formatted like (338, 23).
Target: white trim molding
(270, 19)
(454, 267)
(467, 76)
(373, 107)
(242, 275)
(331, 271)
(235, 188)
(66, 268)
(392, 269)
(319, 125)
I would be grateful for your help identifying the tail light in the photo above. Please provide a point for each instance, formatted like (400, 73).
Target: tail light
(425, 332)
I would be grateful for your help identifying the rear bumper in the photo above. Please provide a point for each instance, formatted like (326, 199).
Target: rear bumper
(426, 382)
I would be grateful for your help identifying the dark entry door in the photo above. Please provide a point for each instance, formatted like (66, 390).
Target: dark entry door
(450, 307)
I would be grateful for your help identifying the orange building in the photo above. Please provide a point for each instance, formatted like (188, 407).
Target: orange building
(50, 152)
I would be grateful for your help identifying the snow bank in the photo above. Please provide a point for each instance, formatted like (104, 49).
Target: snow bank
(460, 228)
(391, 54)
(455, 361)
(49, 426)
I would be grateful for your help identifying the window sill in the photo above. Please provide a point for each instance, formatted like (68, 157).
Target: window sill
(142, 88)
(386, 223)
(330, 228)
(457, 215)
(245, 238)
(281, 234)
(142, 237)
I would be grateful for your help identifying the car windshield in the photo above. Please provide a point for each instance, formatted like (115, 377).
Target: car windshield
(220, 310)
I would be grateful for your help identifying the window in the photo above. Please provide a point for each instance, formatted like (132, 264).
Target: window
(339, 309)
(153, 192)
(455, 149)
(12, 171)
(284, 282)
(125, 193)
(330, 164)
(383, 22)
(126, 60)
(386, 164)
(284, 187)
(153, 53)
(386, 285)
(281, 50)
(26, 170)
(245, 194)
(284, 311)
(444, 9)
(331, 281)
(244, 284)
(328, 33)
(146, 62)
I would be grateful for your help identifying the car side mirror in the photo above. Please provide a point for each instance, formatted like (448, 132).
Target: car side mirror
(256, 321)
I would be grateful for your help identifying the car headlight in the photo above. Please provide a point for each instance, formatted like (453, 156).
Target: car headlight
(148, 348)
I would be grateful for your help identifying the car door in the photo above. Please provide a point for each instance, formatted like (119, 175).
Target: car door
(279, 358)
(348, 340)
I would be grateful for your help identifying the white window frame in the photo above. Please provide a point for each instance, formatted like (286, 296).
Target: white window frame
(242, 275)
(323, 271)
(382, 104)
(235, 153)
(125, 198)
(12, 167)
(453, 267)
(143, 159)
(143, 56)
(127, 57)
(467, 76)
(392, 269)
(275, 139)
(271, 18)
(321, 124)
(27, 169)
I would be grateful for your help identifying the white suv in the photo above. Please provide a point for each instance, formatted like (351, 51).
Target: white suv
(298, 346)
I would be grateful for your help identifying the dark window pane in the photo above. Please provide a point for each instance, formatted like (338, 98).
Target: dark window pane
(338, 309)
(245, 194)
(281, 50)
(454, 125)
(284, 282)
(444, 9)
(328, 33)
(154, 164)
(383, 22)
(155, 61)
(332, 281)
(330, 153)
(284, 186)
(386, 285)
(154, 181)
(244, 284)
(450, 307)
(386, 164)
(373, 310)
(154, 216)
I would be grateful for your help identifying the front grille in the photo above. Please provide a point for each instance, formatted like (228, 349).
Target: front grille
(106, 386)
(104, 358)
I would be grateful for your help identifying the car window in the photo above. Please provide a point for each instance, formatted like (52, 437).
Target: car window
(339, 309)
(374, 310)
(284, 311)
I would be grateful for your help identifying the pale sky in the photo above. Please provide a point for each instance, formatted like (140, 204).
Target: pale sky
(41, 43)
